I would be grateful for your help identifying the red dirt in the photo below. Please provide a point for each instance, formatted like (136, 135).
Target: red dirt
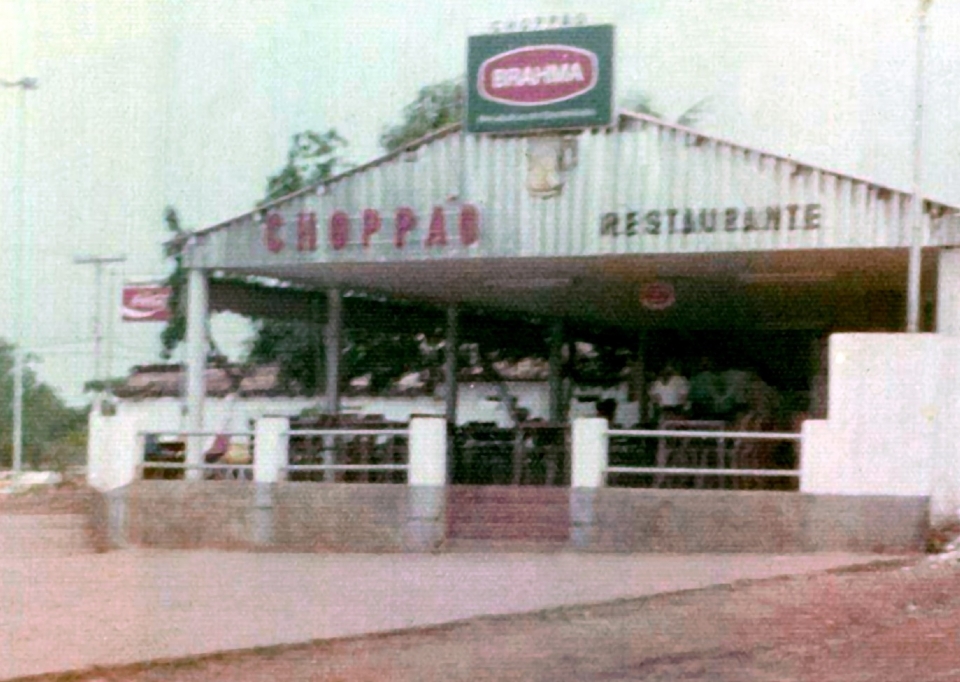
(881, 623)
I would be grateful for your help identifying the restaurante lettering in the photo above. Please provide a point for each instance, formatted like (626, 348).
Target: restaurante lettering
(711, 220)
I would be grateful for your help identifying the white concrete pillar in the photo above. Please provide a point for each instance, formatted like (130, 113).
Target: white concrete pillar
(428, 452)
(115, 450)
(197, 304)
(948, 291)
(589, 453)
(97, 433)
(426, 483)
(270, 448)
(588, 461)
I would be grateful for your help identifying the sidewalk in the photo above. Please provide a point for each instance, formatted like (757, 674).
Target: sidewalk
(135, 605)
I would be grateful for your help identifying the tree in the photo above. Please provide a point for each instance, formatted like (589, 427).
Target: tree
(175, 329)
(435, 107)
(47, 421)
(312, 158)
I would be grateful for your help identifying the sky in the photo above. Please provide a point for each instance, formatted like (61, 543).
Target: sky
(149, 103)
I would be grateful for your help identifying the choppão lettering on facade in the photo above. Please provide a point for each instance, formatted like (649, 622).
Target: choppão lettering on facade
(345, 229)
(711, 220)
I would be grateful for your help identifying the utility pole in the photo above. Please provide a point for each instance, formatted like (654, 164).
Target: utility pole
(916, 204)
(98, 262)
(20, 288)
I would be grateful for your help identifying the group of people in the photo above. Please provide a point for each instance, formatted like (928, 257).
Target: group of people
(710, 394)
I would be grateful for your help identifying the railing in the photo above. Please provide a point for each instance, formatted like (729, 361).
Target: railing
(365, 455)
(225, 458)
(532, 453)
(703, 454)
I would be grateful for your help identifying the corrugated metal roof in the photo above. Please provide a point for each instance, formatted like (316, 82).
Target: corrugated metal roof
(645, 187)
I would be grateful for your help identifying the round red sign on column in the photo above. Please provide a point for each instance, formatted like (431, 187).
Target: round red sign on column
(657, 295)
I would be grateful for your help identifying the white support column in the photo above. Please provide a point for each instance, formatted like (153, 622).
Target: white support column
(589, 453)
(588, 461)
(197, 303)
(114, 451)
(428, 452)
(426, 483)
(271, 448)
(948, 291)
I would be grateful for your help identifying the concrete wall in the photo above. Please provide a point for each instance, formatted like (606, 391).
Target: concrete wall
(629, 520)
(237, 515)
(315, 517)
(893, 425)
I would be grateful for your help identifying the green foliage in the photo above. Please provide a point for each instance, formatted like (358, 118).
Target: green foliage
(47, 421)
(436, 106)
(175, 330)
(312, 158)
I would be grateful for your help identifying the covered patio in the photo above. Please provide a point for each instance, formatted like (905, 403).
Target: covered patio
(686, 246)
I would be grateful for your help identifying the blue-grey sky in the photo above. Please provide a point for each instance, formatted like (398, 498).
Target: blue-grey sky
(145, 103)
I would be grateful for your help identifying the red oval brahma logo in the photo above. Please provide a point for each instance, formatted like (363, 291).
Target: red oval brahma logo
(541, 74)
(657, 295)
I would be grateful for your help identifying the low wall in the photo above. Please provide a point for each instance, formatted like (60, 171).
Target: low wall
(630, 520)
(312, 517)
(339, 517)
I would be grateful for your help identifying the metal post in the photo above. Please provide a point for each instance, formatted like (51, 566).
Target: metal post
(639, 376)
(916, 205)
(555, 377)
(197, 297)
(451, 386)
(333, 333)
(20, 293)
(450, 365)
(98, 262)
(317, 331)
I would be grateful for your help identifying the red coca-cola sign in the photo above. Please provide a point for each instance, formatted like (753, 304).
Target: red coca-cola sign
(146, 303)
(657, 295)
(536, 75)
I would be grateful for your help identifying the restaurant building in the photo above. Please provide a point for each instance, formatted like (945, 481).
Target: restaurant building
(683, 239)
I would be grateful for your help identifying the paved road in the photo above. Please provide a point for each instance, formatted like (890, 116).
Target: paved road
(103, 609)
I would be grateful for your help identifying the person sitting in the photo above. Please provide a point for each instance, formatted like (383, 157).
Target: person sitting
(735, 398)
(669, 393)
(705, 391)
(607, 409)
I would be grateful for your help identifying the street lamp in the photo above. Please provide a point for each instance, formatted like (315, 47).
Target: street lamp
(19, 359)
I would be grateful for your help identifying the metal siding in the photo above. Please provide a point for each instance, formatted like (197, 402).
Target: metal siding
(641, 168)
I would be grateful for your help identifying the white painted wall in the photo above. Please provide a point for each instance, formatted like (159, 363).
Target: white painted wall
(893, 425)
(112, 463)
(113, 451)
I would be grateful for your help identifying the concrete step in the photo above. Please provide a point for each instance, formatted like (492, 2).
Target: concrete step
(482, 546)
(44, 535)
(529, 495)
(509, 531)
(508, 514)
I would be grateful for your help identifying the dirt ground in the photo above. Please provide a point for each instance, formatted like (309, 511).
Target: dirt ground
(887, 622)
(71, 497)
